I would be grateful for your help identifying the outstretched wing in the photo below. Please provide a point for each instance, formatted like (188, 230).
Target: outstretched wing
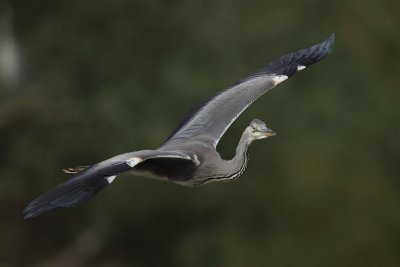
(214, 116)
(88, 182)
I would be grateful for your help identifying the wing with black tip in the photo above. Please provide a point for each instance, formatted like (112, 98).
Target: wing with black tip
(214, 115)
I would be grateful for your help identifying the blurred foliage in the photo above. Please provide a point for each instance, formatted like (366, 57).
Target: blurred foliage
(107, 77)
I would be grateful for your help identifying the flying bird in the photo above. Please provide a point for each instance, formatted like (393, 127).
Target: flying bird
(188, 156)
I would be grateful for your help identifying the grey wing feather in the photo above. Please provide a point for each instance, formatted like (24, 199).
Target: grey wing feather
(88, 182)
(214, 115)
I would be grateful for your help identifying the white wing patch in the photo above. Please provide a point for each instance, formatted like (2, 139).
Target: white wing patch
(277, 79)
(300, 67)
(196, 160)
(132, 162)
(110, 179)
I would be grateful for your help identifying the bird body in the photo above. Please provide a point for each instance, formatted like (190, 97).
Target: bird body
(189, 155)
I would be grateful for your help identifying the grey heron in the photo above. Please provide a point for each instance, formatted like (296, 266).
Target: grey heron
(189, 155)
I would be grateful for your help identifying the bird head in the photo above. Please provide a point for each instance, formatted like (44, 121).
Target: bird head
(259, 130)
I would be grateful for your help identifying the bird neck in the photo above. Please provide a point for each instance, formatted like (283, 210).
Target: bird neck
(242, 156)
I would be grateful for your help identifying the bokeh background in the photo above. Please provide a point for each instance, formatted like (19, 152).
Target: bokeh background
(81, 81)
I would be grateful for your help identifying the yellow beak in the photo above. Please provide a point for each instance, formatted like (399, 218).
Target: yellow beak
(268, 132)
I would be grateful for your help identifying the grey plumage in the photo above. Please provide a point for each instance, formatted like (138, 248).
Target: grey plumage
(189, 155)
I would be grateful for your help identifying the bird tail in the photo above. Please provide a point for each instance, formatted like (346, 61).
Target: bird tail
(71, 193)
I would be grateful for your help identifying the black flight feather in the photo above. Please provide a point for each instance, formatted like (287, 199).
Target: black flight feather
(289, 64)
(82, 186)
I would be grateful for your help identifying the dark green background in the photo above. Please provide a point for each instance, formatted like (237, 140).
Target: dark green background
(107, 77)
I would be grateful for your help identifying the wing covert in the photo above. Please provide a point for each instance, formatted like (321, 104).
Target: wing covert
(213, 116)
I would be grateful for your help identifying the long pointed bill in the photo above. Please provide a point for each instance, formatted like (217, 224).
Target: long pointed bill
(268, 132)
